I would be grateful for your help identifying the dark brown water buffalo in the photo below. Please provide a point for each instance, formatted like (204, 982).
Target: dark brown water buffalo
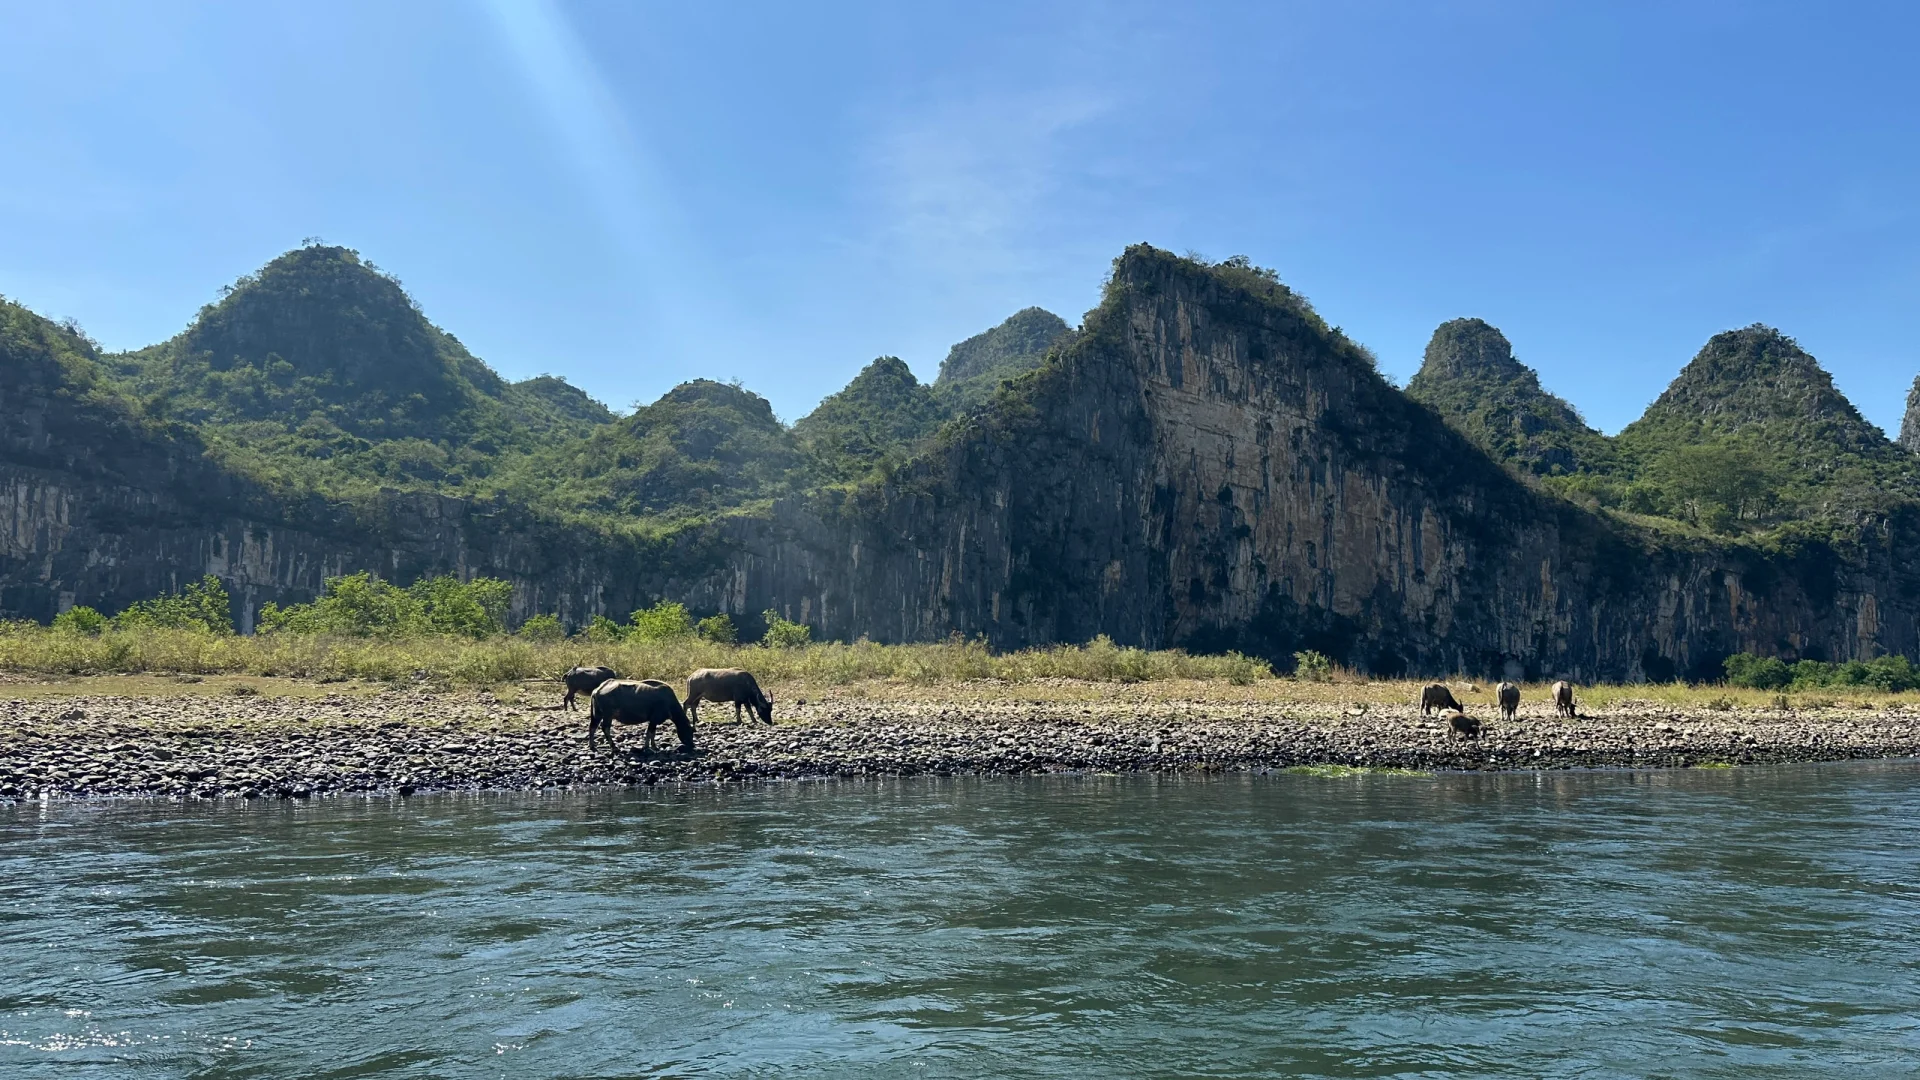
(637, 701)
(1563, 698)
(584, 680)
(1437, 696)
(1463, 724)
(1509, 696)
(727, 684)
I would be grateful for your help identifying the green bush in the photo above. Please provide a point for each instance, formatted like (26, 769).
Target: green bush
(1244, 670)
(783, 634)
(664, 621)
(1757, 673)
(718, 629)
(81, 620)
(201, 606)
(1892, 674)
(1312, 666)
(543, 628)
(361, 605)
(476, 608)
(603, 631)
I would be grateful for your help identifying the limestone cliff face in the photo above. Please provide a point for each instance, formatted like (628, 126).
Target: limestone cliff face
(1910, 422)
(1209, 466)
(1206, 465)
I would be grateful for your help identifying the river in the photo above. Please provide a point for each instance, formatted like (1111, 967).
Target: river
(1753, 922)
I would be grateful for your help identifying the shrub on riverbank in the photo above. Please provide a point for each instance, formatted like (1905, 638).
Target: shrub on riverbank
(1891, 674)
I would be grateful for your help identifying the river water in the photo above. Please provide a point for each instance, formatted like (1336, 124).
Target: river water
(1712, 923)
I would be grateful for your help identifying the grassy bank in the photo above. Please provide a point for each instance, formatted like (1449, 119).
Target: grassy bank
(496, 660)
(145, 660)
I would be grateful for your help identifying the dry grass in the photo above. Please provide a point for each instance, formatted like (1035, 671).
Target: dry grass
(1355, 697)
(449, 660)
(37, 661)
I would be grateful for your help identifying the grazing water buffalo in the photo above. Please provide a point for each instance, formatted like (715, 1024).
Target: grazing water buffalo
(1437, 696)
(1563, 698)
(1509, 699)
(1463, 724)
(584, 680)
(643, 701)
(727, 684)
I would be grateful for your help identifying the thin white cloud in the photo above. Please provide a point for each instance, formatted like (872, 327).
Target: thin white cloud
(967, 181)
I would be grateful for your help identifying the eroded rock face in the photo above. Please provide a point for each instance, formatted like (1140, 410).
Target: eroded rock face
(1205, 468)
(1206, 465)
(1910, 423)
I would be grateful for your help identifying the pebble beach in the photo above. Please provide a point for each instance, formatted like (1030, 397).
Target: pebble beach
(404, 740)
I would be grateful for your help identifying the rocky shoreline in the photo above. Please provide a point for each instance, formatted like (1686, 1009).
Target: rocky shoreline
(401, 742)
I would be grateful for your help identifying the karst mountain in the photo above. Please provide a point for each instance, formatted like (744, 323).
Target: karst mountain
(1203, 463)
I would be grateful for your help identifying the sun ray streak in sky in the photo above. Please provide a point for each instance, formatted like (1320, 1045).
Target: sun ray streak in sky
(646, 230)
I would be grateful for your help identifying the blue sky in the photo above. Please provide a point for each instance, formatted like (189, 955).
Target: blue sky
(631, 195)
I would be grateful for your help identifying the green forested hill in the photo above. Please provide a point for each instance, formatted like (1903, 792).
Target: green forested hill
(1753, 429)
(318, 373)
(64, 409)
(704, 446)
(1751, 435)
(1472, 380)
(885, 413)
(879, 417)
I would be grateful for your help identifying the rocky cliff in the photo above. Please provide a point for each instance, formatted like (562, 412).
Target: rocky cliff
(1209, 465)
(1204, 464)
(1910, 422)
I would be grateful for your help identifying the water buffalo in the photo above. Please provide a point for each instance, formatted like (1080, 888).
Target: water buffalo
(643, 701)
(1437, 696)
(1463, 724)
(727, 684)
(584, 680)
(1509, 695)
(1563, 698)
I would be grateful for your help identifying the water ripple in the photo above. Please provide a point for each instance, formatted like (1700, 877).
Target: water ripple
(1741, 923)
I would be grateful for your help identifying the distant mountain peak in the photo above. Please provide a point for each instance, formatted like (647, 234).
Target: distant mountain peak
(712, 392)
(564, 398)
(1462, 348)
(1016, 345)
(318, 369)
(1758, 381)
(1471, 378)
(325, 312)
